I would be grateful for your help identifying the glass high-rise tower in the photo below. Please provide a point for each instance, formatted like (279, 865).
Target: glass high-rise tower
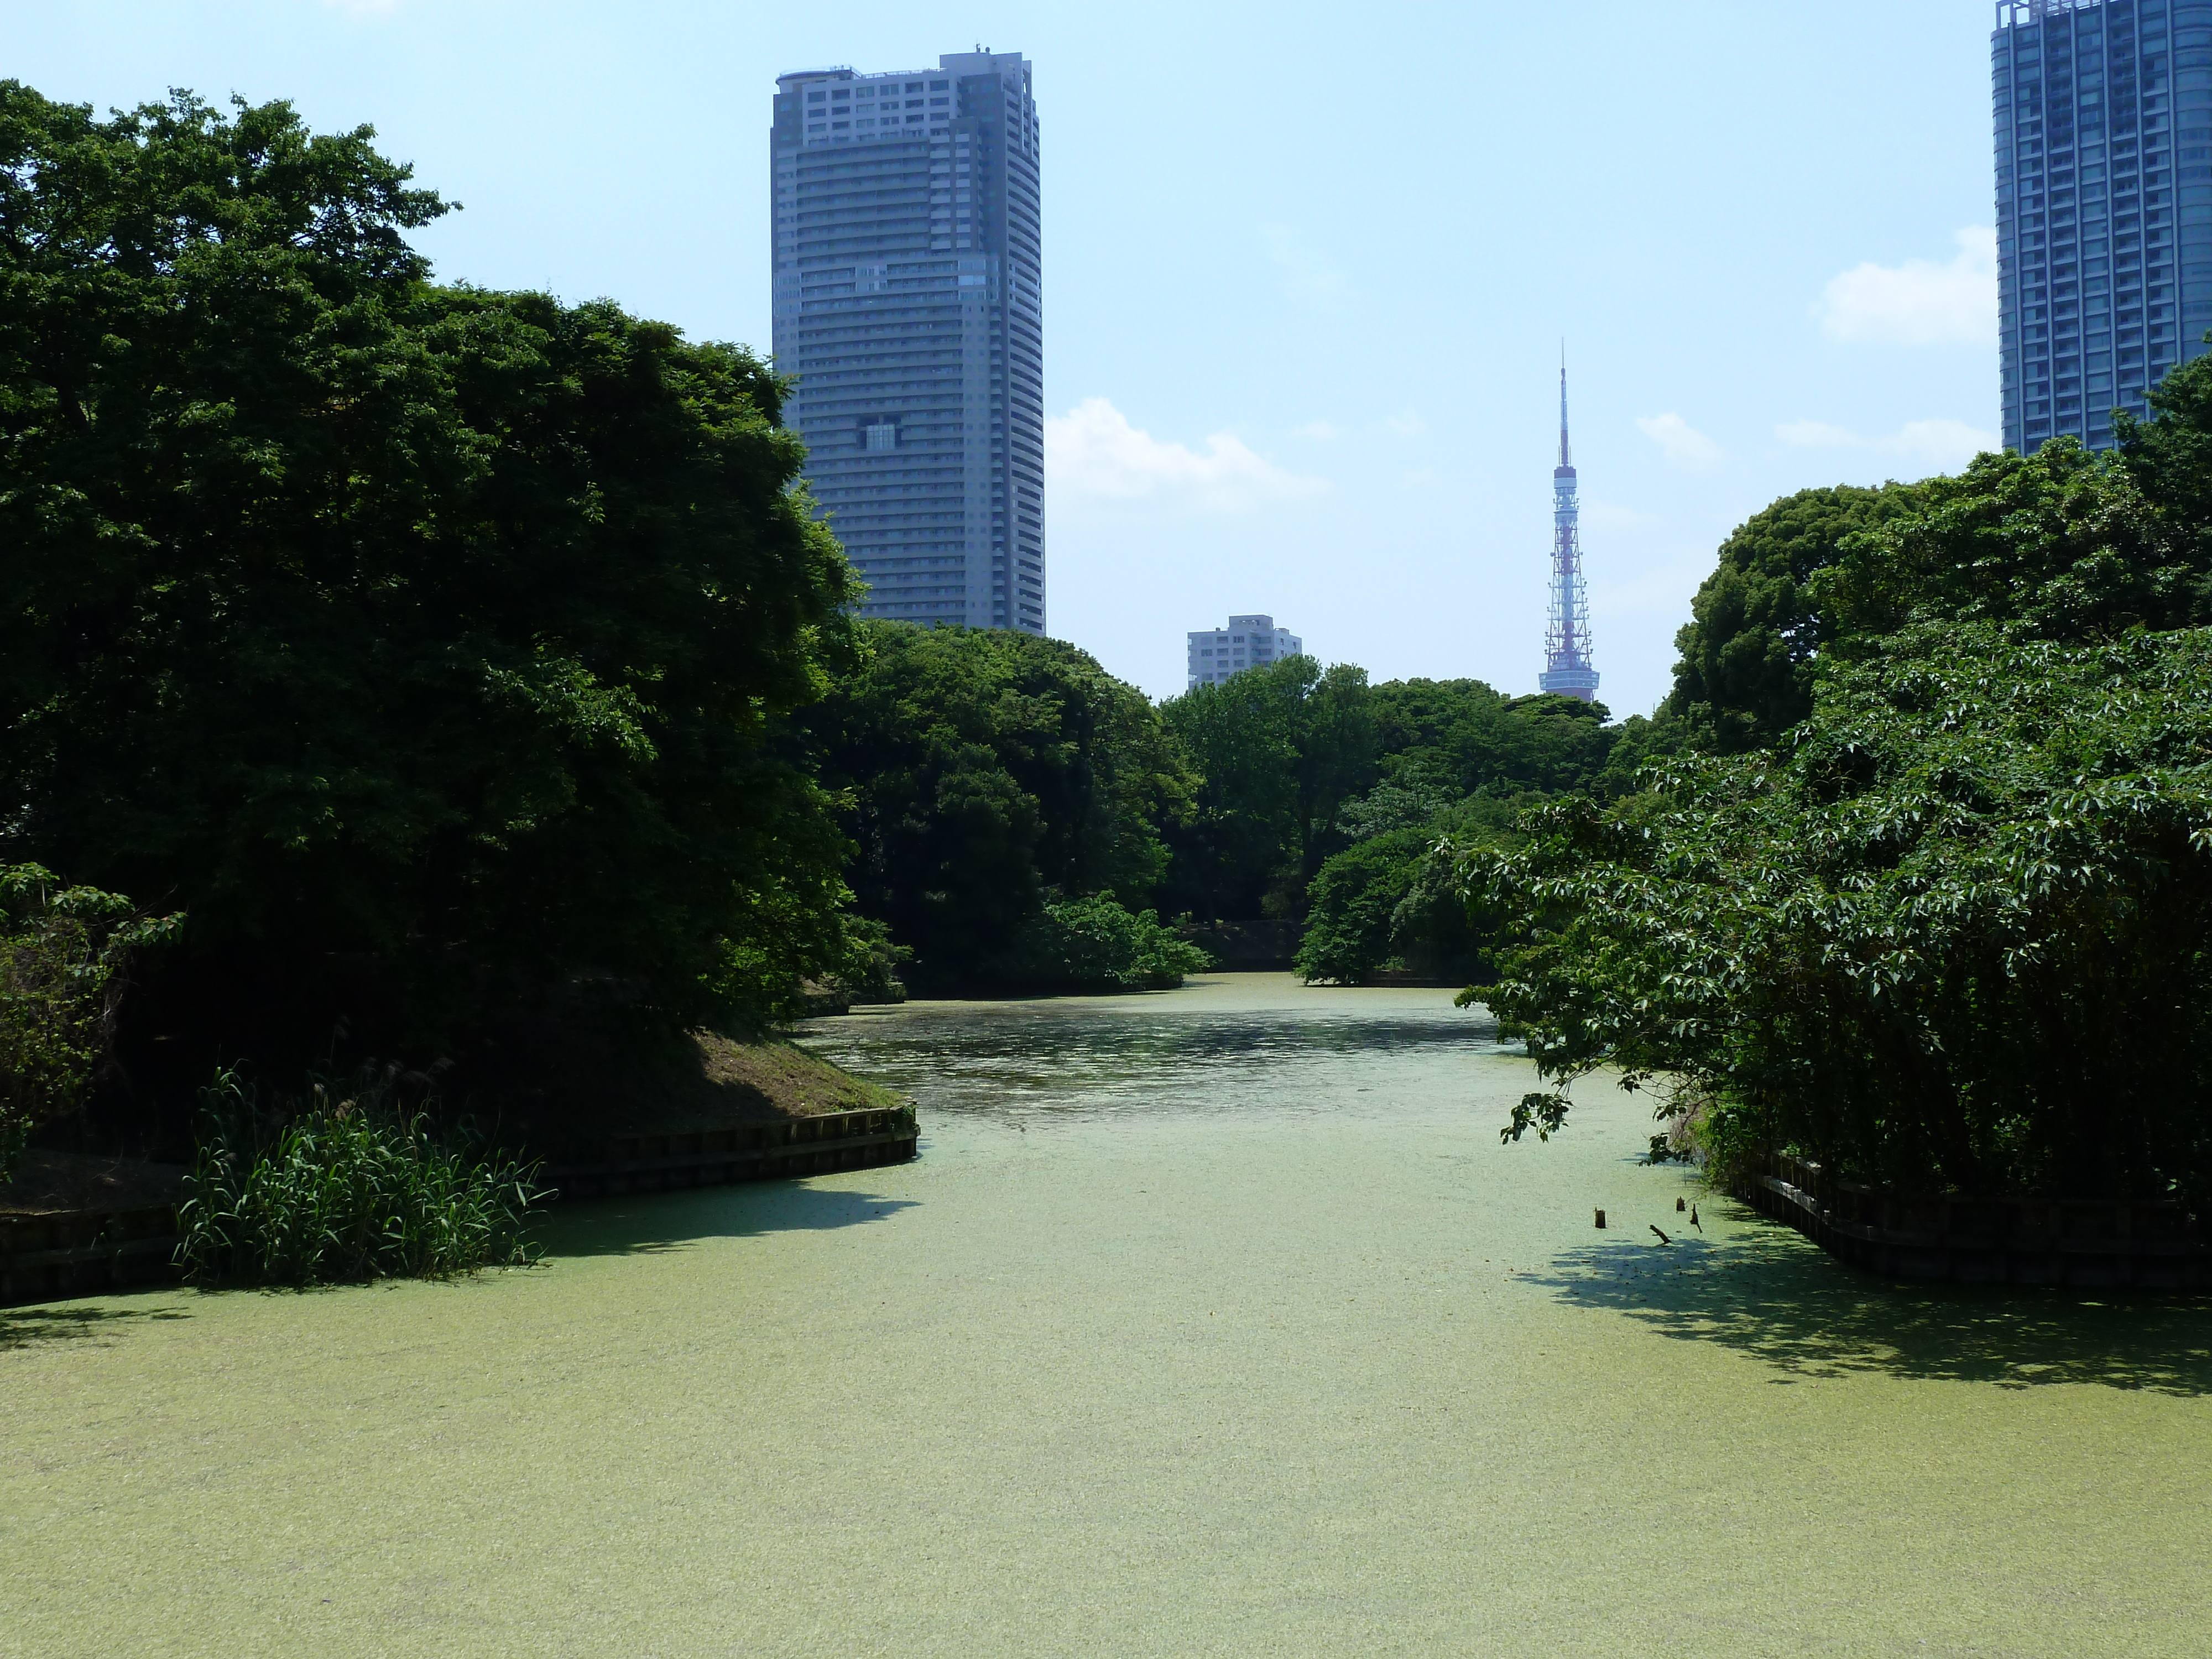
(2104, 172)
(910, 307)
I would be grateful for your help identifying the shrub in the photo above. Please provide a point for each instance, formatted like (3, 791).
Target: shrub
(1390, 897)
(1352, 902)
(870, 972)
(64, 951)
(1096, 944)
(346, 1189)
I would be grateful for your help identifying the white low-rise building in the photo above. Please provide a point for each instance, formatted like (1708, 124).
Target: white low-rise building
(1247, 642)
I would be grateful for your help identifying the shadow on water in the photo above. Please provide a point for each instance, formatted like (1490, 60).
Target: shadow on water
(1052, 1054)
(1770, 1293)
(26, 1327)
(646, 1224)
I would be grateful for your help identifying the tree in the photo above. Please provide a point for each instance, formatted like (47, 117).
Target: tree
(2062, 545)
(434, 649)
(1097, 943)
(2170, 457)
(1279, 749)
(1757, 627)
(1456, 759)
(1954, 936)
(1390, 897)
(985, 772)
(65, 954)
(1461, 736)
(1948, 930)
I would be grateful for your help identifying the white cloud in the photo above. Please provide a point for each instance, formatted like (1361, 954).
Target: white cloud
(1918, 302)
(1818, 435)
(1941, 446)
(1093, 450)
(1680, 442)
(1408, 425)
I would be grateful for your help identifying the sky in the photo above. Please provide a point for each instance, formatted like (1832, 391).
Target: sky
(1308, 269)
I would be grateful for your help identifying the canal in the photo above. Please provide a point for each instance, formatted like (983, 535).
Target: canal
(1210, 1323)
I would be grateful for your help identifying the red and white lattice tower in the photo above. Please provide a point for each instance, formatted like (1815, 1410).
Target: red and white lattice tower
(1567, 668)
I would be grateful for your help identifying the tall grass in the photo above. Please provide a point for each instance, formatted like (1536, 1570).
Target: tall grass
(345, 1186)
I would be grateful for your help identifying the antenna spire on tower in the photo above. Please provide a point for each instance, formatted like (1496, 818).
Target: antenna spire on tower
(1565, 458)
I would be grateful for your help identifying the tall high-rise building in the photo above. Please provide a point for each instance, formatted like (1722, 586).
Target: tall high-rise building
(1567, 668)
(910, 308)
(2104, 164)
(1215, 653)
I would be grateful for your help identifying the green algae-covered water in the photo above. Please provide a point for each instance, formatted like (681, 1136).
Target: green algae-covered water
(1214, 1322)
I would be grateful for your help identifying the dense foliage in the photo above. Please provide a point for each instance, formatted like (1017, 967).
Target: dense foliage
(1449, 760)
(1959, 931)
(1386, 901)
(987, 774)
(1947, 926)
(65, 953)
(431, 648)
(349, 1185)
(1276, 750)
(1758, 623)
(1097, 943)
(2061, 543)
(1301, 768)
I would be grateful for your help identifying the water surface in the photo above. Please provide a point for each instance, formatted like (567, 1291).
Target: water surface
(1214, 1322)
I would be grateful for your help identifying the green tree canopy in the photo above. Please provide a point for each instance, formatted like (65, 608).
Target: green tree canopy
(987, 771)
(1457, 759)
(1277, 750)
(1389, 898)
(1757, 625)
(1955, 936)
(1461, 736)
(1949, 930)
(2170, 457)
(2062, 545)
(432, 648)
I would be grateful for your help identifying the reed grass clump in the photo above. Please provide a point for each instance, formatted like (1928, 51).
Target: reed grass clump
(348, 1185)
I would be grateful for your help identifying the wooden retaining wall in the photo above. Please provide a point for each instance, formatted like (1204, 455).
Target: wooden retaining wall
(750, 1151)
(44, 1258)
(2080, 1243)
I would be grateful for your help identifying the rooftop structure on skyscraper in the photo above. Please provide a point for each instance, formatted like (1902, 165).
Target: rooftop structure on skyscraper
(908, 307)
(2104, 172)
(1567, 668)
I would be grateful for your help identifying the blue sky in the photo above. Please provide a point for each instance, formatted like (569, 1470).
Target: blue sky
(1307, 268)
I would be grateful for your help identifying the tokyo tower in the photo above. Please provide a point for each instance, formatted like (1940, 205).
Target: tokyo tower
(1567, 668)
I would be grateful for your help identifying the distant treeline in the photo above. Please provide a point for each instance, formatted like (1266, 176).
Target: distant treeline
(985, 774)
